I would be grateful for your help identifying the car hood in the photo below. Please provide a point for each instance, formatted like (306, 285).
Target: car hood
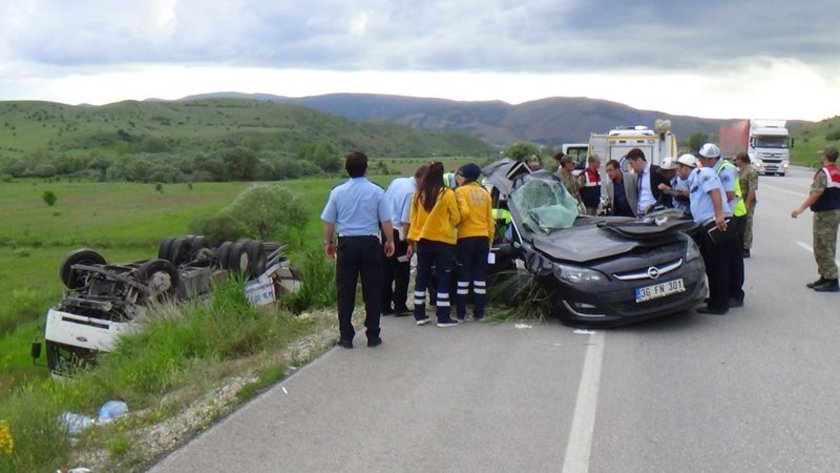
(597, 238)
(583, 243)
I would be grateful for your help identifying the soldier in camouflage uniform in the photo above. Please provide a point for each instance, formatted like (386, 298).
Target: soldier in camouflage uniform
(824, 201)
(567, 165)
(748, 180)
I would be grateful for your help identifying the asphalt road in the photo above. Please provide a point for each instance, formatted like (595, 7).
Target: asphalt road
(753, 391)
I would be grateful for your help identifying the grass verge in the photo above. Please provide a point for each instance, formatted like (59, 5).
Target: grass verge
(182, 354)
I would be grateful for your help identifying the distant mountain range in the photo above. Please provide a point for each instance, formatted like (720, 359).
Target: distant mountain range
(547, 121)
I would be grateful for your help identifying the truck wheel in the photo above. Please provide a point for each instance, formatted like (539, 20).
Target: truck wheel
(222, 253)
(162, 278)
(165, 247)
(256, 256)
(181, 251)
(75, 279)
(237, 260)
(198, 242)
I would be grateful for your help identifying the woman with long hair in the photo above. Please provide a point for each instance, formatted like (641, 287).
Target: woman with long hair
(434, 217)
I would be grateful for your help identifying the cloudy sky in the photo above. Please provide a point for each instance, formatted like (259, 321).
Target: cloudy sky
(710, 58)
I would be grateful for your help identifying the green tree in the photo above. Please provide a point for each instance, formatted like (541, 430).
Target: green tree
(697, 140)
(521, 151)
(322, 155)
(240, 163)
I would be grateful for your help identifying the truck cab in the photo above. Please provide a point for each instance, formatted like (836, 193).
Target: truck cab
(769, 146)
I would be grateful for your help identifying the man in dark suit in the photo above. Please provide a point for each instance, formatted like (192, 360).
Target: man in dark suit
(645, 191)
(619, 188)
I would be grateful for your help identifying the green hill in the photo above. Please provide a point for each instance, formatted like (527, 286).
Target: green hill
(37, 135)
(809, 140)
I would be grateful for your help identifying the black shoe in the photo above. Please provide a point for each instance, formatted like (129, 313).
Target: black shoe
(818, 282)
(736, 303)
(403, 312)
(746, 253)
(345, 343)
(387, 311)
(374, 342)
(707, 310)
(830, 285)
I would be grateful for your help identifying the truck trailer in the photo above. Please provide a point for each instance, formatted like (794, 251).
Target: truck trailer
(766, 142)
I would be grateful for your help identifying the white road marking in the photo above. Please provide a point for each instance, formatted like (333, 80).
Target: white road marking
(583, 423)
(809, 249)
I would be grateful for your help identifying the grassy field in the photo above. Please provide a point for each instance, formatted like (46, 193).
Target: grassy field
(123, 221)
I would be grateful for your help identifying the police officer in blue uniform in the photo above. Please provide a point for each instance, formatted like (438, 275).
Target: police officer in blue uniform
(710, 210)
(356, 209)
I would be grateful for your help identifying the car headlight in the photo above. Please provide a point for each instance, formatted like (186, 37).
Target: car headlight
(577, 274)
(692, 251)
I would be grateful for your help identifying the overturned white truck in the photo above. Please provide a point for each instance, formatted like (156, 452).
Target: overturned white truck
(104, 301)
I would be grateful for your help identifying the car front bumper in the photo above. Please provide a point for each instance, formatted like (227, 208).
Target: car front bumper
(615, 303)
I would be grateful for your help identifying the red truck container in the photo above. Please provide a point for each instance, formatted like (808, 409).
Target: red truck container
(734, 138)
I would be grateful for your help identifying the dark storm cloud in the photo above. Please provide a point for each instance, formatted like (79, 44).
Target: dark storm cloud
(491, 35)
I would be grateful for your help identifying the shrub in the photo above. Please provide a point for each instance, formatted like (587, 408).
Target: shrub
(223, 226)
(318, 283)
(49, 197)
(269, 211)
(833, 136)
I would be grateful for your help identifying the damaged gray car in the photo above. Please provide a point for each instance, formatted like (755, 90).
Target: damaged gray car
(602, 271)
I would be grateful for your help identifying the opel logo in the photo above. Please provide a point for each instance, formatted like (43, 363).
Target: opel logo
(653, 272)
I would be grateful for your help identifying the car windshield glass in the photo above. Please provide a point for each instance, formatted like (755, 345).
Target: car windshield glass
(545, 206)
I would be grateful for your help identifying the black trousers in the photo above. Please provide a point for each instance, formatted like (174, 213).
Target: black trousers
(736, 267)
(717, 258)
(359, 256)
(395, 277)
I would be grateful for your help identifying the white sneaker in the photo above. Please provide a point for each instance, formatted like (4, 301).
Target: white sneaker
(422, 321)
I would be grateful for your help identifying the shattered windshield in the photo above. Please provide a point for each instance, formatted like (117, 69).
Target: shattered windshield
(545, 206)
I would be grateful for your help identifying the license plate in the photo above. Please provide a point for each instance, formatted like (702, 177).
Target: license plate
(662, 289)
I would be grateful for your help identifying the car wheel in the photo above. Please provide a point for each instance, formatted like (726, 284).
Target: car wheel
(162, 278)
(237, 260)
(76, 279)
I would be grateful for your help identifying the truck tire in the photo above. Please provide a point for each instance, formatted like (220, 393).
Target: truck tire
(162, 278)
(198, 242)
(165, 247)
(74, 279)
(237, 260)
(222, 253)
(181, 251)
(256, 257)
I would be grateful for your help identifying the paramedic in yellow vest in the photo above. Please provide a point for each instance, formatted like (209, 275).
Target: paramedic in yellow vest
(728, 174)
(431, 234)
(475, 235)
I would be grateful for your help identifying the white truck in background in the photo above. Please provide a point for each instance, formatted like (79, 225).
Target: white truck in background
(766, 142)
